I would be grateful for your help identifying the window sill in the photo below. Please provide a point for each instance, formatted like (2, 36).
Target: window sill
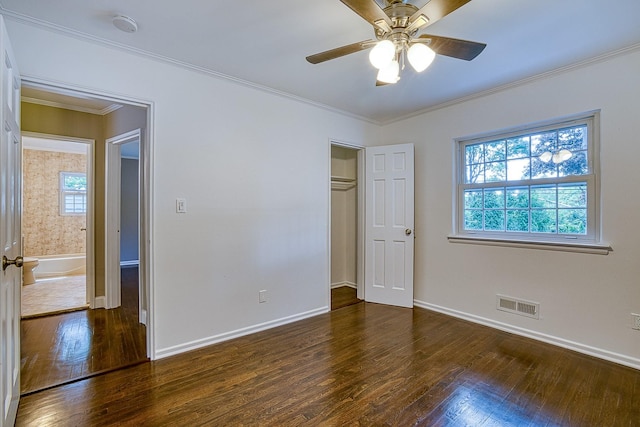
(587, 248)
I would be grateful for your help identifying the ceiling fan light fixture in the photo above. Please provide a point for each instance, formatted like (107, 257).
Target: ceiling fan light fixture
(382, 54)
(389, 74)
(420, 56)
(418, 23)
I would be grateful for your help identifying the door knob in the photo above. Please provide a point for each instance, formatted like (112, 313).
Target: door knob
(407, 232)
(6, 262)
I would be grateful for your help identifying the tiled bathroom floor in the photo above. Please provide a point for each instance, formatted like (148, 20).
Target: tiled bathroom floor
(56, 295)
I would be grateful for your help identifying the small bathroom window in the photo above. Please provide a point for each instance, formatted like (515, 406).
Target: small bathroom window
(73, 193)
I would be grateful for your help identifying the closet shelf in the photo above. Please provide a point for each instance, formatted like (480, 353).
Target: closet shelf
(342, 178)
(342, 183)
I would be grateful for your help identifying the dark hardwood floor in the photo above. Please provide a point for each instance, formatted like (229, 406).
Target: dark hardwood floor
(364, 364)
(343, 296)
(65, 347)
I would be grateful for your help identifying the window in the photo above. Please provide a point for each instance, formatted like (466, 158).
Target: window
(73, 193)
(533, 184)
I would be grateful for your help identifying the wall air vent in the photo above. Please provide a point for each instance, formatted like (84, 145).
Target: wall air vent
(518, 306)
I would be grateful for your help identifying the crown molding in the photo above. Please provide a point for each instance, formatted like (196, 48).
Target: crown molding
(101, 112)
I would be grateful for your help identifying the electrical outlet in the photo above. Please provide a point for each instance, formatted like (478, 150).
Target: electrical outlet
(262, 296)
(636, 321)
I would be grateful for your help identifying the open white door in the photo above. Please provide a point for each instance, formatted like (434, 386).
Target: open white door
(10, 232)
(113, 293)
(389, 222)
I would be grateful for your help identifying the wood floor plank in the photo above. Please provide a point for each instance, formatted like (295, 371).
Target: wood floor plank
(364, 364)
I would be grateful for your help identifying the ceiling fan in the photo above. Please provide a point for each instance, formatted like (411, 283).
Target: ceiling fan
(396, 27)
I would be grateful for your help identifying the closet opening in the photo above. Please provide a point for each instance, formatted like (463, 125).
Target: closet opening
(346, 229)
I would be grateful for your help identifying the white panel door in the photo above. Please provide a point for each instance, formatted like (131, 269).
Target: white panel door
(389, 222)
(10, 232)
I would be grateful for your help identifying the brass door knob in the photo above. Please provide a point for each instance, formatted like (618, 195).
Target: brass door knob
(6, 262)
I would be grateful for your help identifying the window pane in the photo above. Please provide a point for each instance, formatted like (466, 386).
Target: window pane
(518, 197)
(494, 198)
(543, 142)
(74, 203)
(494, 172)
(474, 174)
(543, 221)
(518, 169)
(74, 181)
(473, 220)
(540, 169)
(543, 196)
(573, 139)
(494, 151)
(494, 220)
(518, 220)
(572, 196)
(473, 199)
(576, 165)
(474, 154)
(518, 147)
(572, 221)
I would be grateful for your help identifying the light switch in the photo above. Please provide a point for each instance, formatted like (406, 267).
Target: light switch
(181, 205)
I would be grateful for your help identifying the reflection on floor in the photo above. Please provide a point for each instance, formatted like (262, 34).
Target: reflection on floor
(343, 296)
(66, 347)
(54, 295)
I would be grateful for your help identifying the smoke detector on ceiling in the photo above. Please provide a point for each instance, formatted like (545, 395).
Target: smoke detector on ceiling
(124, 23)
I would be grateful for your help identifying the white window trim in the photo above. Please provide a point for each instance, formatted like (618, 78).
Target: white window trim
(591, 244)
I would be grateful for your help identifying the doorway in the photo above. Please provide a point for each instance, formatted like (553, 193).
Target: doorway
(384, 222)
(96, 331)
(57, 227)
(122, 181)
(346, 231)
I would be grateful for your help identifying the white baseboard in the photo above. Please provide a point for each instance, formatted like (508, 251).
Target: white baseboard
(100, 302)
(610, 356)
(193, 345)
(345, 283)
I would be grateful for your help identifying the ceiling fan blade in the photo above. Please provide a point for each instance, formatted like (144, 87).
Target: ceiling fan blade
(455, 48)
(379, 83)
(368, 10)
(340, 51)
(437, 9)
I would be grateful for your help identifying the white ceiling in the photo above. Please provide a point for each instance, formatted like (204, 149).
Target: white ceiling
(265, 43)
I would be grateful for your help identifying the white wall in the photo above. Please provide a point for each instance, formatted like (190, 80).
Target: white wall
(254, 169)
(585, 300)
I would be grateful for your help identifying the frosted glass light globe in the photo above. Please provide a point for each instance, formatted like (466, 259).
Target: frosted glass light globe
(420, 56)
(390, 73)
(382, 54)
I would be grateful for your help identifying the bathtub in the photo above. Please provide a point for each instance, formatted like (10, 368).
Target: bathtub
(60, 265)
